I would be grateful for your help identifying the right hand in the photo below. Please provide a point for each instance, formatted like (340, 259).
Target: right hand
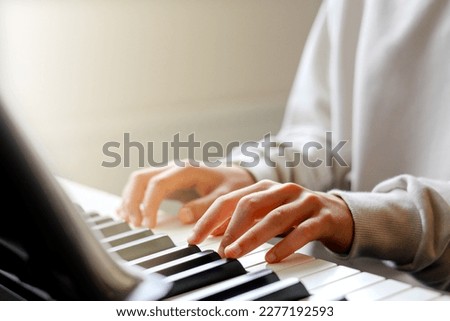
(147, 188)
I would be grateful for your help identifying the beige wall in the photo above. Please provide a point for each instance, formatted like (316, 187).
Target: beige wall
(82, 73)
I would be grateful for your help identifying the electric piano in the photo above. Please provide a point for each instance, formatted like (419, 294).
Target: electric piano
(302, 276)
(52, 249)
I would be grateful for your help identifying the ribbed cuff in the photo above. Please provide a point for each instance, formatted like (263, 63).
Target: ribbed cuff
(386, 225)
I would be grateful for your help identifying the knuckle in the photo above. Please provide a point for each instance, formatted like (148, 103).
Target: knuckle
(292, 188)
(227, 238)
(326, 217)
(252, 238)
(276, 215)
(247, 203)
(287, 247)
(266, 183)
(156, 181)
(223, 201)
(308, 231)
(277, 220)
(314, 199)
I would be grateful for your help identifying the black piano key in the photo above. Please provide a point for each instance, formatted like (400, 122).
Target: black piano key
(232, 287)
(185, 263)
(165, 256)
(290, 289)
(251, 281)
(145, 246)
(112, 228)
(88, 215)
(99, 220)
(126, 237)
(294, 292)
(204, 275)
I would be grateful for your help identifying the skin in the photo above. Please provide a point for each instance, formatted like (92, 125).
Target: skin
(228, 201)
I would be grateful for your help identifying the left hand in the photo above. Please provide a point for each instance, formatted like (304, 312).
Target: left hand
(266, 209)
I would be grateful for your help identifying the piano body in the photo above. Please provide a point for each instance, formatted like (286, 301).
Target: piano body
(52, 250)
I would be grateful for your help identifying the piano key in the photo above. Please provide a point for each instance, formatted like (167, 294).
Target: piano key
(145, 246)
(231, 287)
(112, 228)
(285, 290)
(203, 275)
(255, 257)
(178, 232)
(327, 276)
(88, 215)
(377, 291)
(211, 243)
(126, 237)
(302, 270)
(293, 260)
(443, 297)
(337, 290)
(99, 220)
(165, 256)
(413, 294)
(185, 263)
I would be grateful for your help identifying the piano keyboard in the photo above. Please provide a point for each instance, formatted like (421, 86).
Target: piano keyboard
(198, 273)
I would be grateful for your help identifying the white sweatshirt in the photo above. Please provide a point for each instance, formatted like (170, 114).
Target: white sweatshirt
(376, 74)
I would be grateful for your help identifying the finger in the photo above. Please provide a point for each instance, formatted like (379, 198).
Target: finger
(192, 211)
(221, 229)
(277, 221)
(219, 212)
(252, 208)
(308, 231)
(133, 194)
(160, 186)
(216, 215)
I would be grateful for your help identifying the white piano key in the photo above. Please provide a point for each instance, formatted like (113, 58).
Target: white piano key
(253, 259)
(414, 294)
(302, 270)
(337, 290)
(327, 276)
(211, 243)
(378, 291)
(444, 297)
(292, 260)
(172, 226)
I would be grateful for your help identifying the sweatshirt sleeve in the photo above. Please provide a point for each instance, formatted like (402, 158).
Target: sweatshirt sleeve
(299, 151)
(405, 220)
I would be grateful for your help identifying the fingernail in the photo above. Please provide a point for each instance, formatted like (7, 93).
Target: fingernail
(192, 238)
(220, 251)
(145, 222)
(270, 257)
(186, 215)
(233, 250)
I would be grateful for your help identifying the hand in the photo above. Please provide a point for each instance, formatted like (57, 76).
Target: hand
(266, 209)
(147, 188)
